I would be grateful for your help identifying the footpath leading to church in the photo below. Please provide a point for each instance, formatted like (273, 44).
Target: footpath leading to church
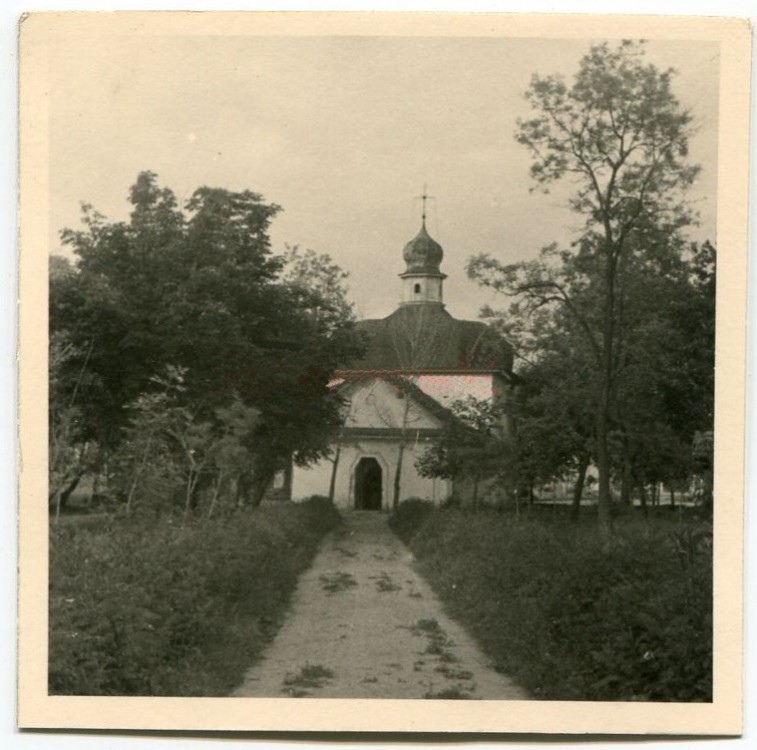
(364, 624)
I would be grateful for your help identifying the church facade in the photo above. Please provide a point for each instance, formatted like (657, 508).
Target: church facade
(419, 361)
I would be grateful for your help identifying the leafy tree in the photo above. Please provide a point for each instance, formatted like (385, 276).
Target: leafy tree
(554, 419)
(619, 135)
(198, 288)
(472, 446)
(70, 454)
(662, 394)
(320, 284)
(148, 457)
(232, 452)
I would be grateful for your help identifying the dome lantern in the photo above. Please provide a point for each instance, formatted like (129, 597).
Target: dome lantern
(422, 279)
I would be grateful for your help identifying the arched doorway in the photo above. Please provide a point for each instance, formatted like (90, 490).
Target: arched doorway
(368, 484)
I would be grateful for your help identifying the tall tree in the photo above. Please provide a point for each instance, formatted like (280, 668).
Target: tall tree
(199, 288)
(620, 136)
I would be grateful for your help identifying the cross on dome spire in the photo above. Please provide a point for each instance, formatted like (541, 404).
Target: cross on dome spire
(424, 198)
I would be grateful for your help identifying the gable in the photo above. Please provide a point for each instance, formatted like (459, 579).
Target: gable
(379, 403)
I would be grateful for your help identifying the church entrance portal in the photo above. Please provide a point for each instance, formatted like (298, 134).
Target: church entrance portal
(368, 484)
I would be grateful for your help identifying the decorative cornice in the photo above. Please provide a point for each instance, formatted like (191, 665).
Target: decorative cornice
(389, 433)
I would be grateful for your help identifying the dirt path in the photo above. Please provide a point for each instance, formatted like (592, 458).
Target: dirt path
(364, 624)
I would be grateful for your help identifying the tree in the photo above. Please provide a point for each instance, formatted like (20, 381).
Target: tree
(412, 346)
(153, 453)
(620, 135)
(232, 451)
(663, 395)
(320, 284)
(555, 419)
(68, 450)
(472, 446)
(198, 288)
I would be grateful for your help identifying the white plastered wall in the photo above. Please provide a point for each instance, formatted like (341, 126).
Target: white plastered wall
(376, 404)
(315, 480)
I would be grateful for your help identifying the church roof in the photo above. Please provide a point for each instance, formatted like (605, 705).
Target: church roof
(423, 254)
(427, 338)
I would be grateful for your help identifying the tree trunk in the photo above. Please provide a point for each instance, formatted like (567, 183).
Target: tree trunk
(94, 495)
(672, 496)
(197, 490)
(603, 403)
(216, 491)
(626, 484)
(334, 468)
(517, 499)
(707, 485)
(398, 475)
(259, 487)
(603, 469)
(242, 489)
(475, 493)
(578, 488)
(643, 496)
(138, 474)
(62, 496)
(188, 502)
(400, 456)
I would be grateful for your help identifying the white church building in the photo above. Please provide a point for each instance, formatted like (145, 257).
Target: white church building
(419, 361)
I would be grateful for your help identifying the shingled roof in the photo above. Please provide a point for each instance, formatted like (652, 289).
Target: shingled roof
(427, 338)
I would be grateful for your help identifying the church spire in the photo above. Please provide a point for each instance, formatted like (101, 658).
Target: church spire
(422, 279)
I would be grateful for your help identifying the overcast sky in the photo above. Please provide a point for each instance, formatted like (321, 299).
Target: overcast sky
(342, 132)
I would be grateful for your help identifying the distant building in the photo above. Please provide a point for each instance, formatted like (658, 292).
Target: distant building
(419, 361)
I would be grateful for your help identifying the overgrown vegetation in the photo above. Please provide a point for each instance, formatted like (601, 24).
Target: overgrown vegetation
(189, 362)
(563, 617)
(139, 608)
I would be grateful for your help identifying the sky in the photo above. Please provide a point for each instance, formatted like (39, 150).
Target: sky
(343, 133)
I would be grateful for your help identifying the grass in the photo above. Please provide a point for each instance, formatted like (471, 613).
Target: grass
(438, 642)
(456, 692)
(310, 676)
(144, 607)
(384, 583)
(454, 674)
(563, 618)
(336, 582)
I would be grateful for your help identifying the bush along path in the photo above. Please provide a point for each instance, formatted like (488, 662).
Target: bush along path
(364, 624)
(566, 619)
(145, 607)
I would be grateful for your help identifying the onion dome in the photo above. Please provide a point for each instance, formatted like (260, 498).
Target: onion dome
(423, 254)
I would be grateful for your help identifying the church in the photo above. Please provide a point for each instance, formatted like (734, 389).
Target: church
(419, 361)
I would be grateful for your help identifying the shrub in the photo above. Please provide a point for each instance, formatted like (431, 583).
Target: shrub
(156, 609)
(570, 622)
